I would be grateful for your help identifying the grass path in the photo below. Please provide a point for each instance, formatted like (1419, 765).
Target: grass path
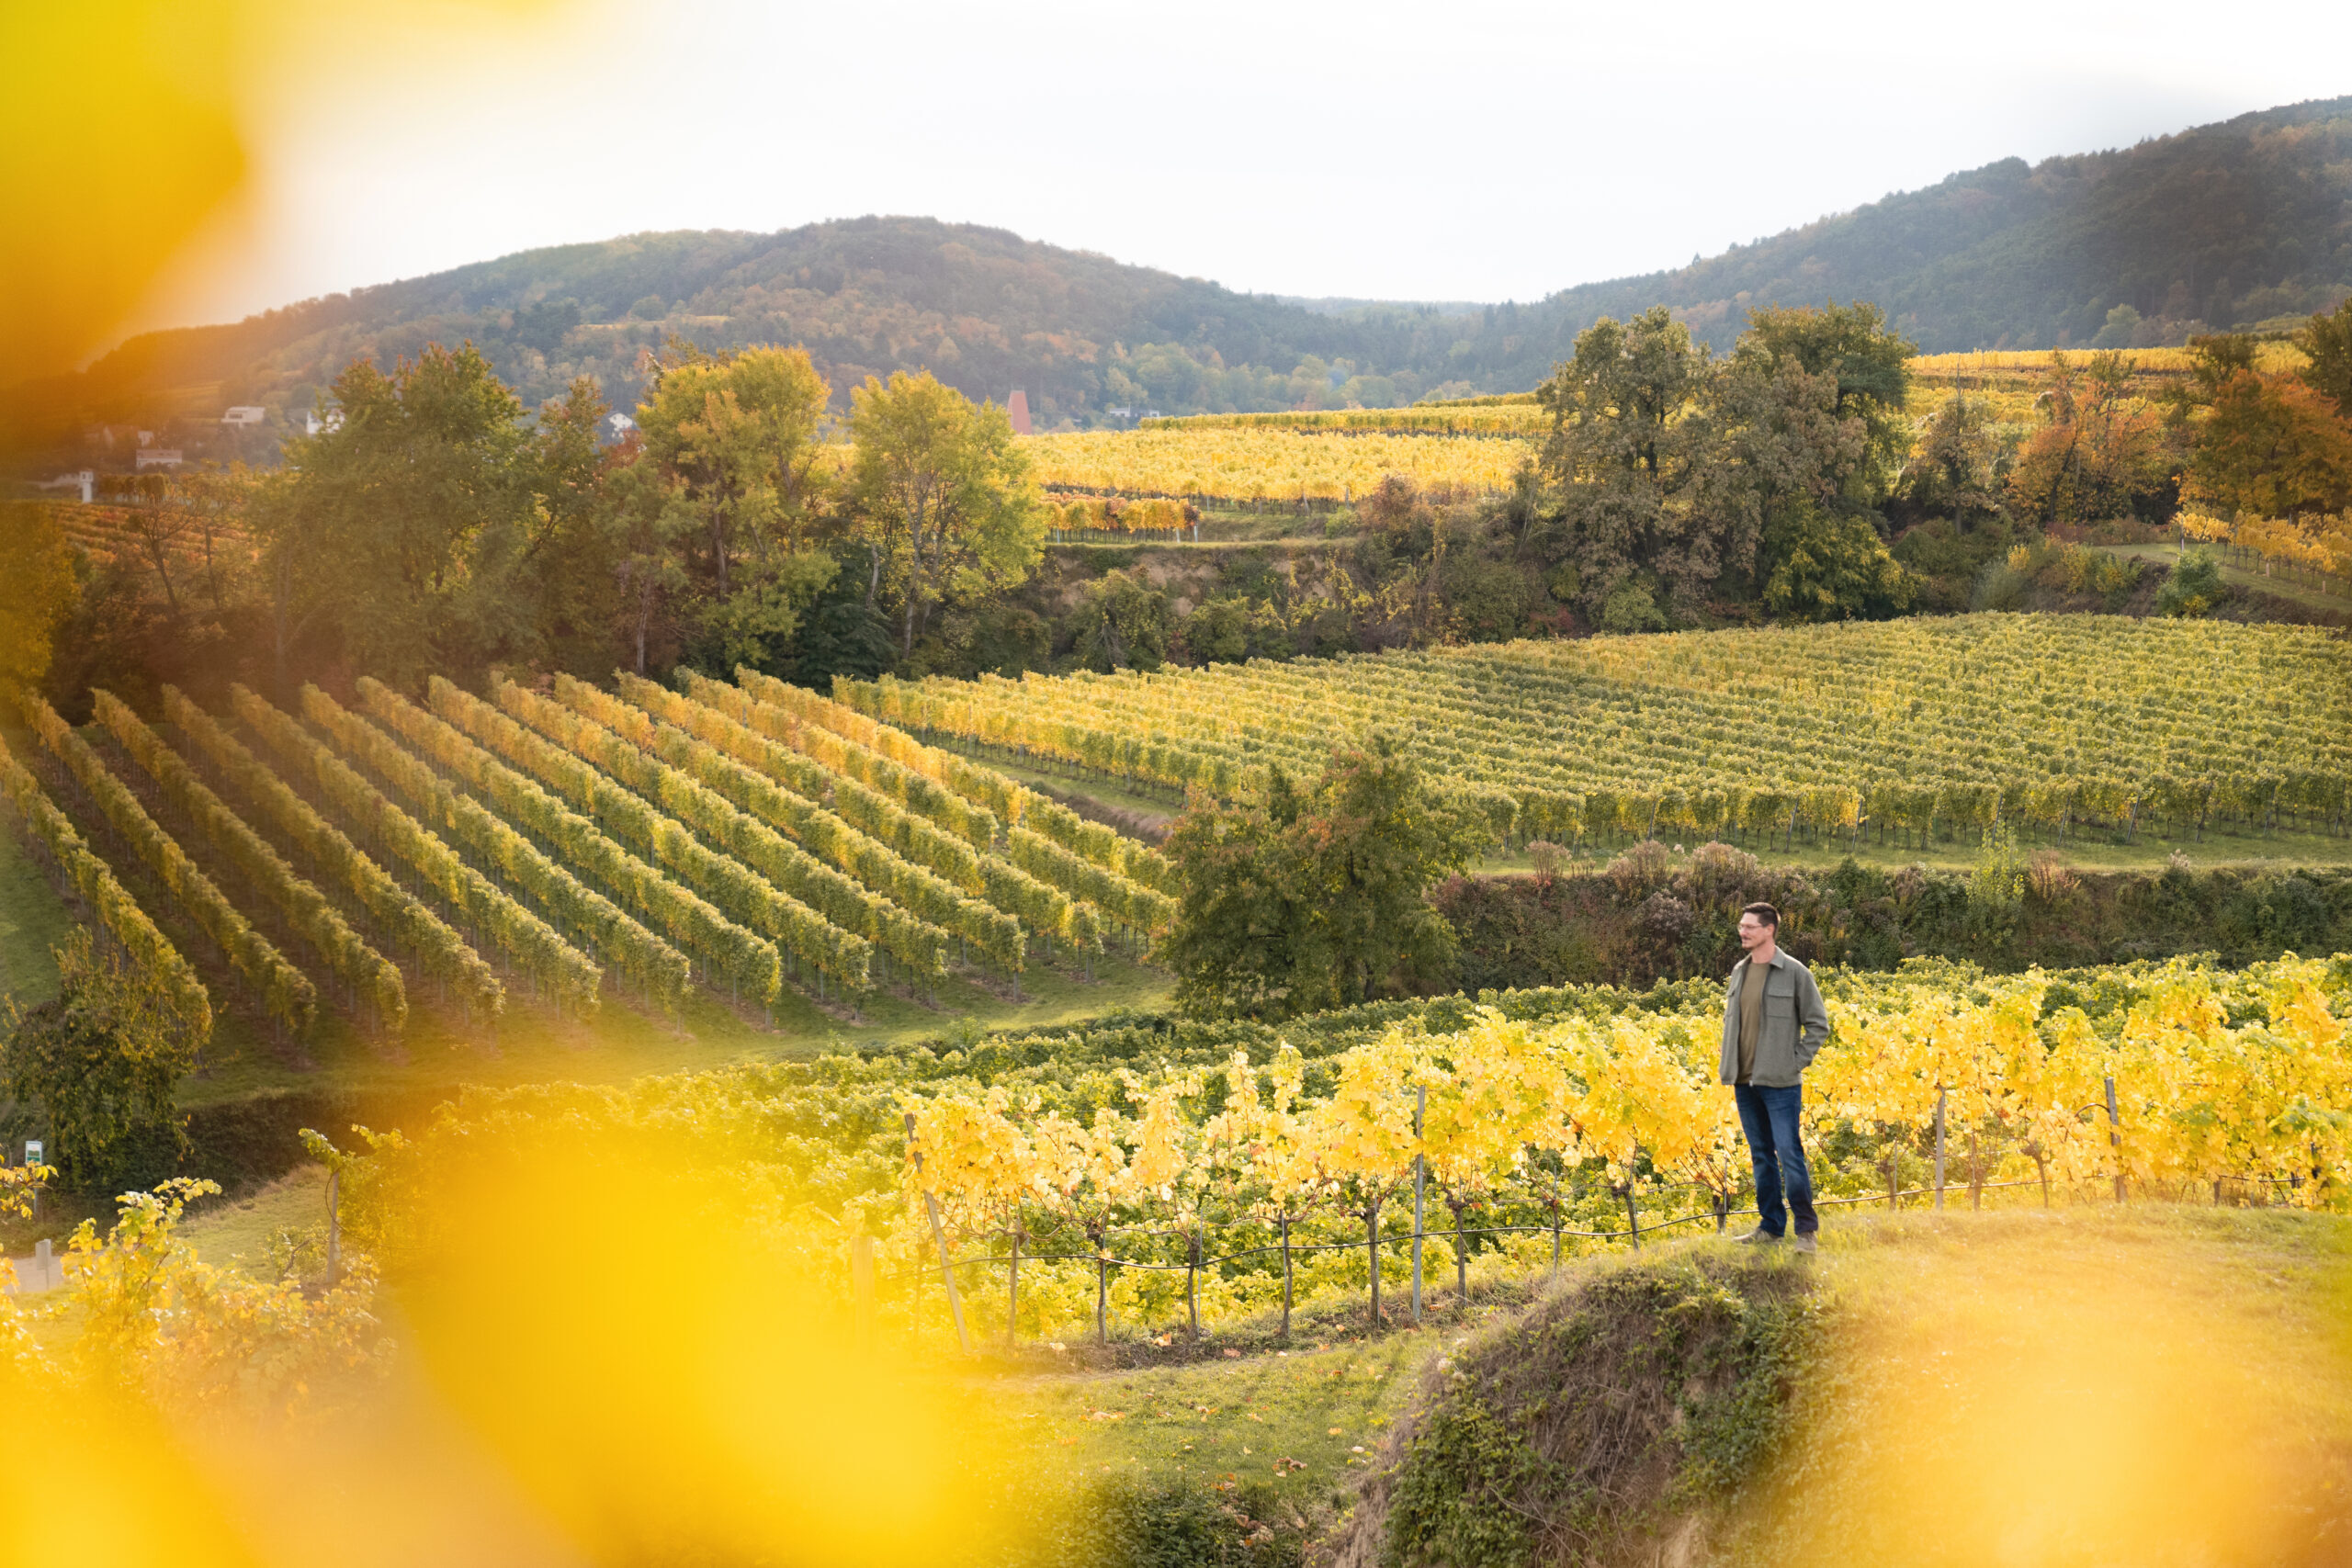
(32, 921)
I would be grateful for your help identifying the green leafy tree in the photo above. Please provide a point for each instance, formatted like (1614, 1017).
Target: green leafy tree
(1871, 367)
(2194, 588)
(102, 1059)
(944, 499)
(1292, 902)
(1830, 566)
(1779, 449)
(422, 529)
(738, 435)
(1622, 452)
(2326, 342)
(1960, 461)
(36, 587)
(1122, 622)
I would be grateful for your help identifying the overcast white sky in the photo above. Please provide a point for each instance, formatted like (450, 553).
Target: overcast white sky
(1431, 151)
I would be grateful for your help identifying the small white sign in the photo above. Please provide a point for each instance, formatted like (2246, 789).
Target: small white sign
(33, 1151)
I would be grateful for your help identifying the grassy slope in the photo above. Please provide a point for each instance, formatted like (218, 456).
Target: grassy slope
(623, 1042)
(2239, 577)
(2219, 847)
(2002, 1335)
(237, 1231)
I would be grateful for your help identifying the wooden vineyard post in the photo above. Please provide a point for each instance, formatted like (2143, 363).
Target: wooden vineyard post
(1102, 1285)
(861, 1279)
(1556, 1223)
(334, 1225)
(1192, 1281)
(1975, 1173)
(1284, 1222)
(1633, 1217)
(1012, 1286)
(939, 1237)
(2115, 1137)
(1894, 1176)
(1420, 1178)
(1939, 1148)
(1461, 1261)
(1372, 1245)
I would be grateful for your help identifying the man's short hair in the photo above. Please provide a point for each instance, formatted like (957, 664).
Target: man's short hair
(1764, 913)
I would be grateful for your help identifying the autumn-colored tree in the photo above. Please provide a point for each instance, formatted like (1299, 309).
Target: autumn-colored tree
(2271, 447)
(2096, 454)
(944, 501)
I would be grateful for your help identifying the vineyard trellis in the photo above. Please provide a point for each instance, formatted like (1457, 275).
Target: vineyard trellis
(442, 952)
(304, 908)
(287, 995)
(2210, 1087)
(2055, 724)
(119, 914)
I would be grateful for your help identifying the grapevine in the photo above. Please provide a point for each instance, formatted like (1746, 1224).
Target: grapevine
(287, 994)
(749, 961)
(305, 908)
(443, 954)
(536, 948)
(94, 884)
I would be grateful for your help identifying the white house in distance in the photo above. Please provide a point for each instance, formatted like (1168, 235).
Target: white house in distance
(618, 426)
(82, 479)
(244, 416)
(148, 458)
(314, 422)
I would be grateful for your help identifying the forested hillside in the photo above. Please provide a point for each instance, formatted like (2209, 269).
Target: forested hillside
(982, 309)
(2218, 226)
(2223, 225)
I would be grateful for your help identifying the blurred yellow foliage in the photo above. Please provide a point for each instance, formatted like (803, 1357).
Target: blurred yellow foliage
(125, 126)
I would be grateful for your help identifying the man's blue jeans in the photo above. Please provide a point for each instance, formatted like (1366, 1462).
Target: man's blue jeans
(1768, 1117)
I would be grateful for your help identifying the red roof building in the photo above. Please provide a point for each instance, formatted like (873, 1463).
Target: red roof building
(1017, 406)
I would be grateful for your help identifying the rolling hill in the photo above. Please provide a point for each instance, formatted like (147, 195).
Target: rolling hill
(2227, 224)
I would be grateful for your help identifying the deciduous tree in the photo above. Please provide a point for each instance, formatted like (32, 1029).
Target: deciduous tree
(2271, 447)
(1293, 903)
(943, 498)
(102, 1059)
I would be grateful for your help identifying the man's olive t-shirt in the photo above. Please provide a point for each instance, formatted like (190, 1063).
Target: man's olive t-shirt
(1751, 1013)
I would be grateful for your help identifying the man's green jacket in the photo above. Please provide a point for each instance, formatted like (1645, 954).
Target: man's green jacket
(1796, 1025)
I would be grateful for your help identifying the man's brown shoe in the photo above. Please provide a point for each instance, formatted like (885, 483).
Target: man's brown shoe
(1758, 1234)
(1806, 1244)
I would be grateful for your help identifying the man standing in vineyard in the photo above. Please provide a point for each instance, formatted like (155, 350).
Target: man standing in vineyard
(1774, 1023)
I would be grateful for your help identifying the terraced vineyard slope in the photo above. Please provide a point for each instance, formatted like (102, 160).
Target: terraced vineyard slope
(1913, 728)
(569, 846)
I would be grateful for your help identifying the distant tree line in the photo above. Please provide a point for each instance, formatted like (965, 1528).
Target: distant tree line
(437, 527)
